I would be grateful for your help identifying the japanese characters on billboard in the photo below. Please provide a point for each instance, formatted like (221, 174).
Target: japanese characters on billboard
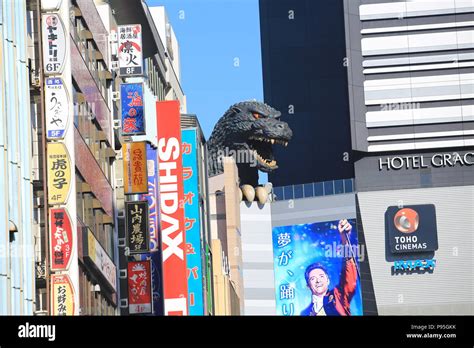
(173, 235)
(133, 117)
(54, 44)
(62, 298)
(135, 168)
(136, 224)
(192, 222)
(60, 239)
(139, 287)
(59, 173)
(317, 269)
(130, 50)
(154, 255)
(56, 108)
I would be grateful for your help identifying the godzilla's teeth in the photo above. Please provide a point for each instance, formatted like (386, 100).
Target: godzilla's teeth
(286, 143)
(273, 141)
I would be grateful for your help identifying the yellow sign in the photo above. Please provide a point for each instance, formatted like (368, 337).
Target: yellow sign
(59, 173)
(62, 299)
(135, 168)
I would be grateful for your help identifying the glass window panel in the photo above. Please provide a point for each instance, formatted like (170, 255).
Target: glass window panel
(338, 186)
(328, 188)
(278, 192)
(288, 191)
(298, 189)
(308, 190)
(348, 187)
(318, 189)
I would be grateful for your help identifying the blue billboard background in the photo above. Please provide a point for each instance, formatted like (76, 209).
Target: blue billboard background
(296, 247)
(192, 223)
(154, 255)
(131, 99)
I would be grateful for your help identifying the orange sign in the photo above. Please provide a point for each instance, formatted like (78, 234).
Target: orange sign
(135, 168)
(62, 299)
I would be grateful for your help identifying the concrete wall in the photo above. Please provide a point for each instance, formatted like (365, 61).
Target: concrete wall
(257, 259)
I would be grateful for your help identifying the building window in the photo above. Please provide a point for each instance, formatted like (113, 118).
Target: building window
(338, 186)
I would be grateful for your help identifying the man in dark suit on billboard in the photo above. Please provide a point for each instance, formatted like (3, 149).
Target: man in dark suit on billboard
(336, 301)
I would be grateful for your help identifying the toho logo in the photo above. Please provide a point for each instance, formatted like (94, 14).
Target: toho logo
(406, 220)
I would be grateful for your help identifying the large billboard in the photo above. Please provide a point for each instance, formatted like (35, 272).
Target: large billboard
(173, 235)
(132, 108)
(192, 222)
(317, 269)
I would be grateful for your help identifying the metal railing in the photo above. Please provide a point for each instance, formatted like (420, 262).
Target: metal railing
(315, 189)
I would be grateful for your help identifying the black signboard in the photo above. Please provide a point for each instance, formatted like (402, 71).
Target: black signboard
(136, 224)
(412, 228)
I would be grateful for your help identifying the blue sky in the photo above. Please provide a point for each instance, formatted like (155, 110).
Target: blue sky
(212, 34)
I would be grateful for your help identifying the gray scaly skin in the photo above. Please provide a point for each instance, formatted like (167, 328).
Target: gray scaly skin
(248, 126)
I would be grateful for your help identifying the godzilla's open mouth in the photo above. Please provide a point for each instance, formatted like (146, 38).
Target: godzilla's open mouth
(263, 152)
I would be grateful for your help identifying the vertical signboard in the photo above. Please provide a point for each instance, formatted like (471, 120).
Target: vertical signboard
(154, 255)
(62, 295)
(136, 224)
(130, 50)
(139, 287)
(131, 99)
(59, 173)
(100, 260)
(192, 222)
(56, 108)
(60, 239)
(173, 235)
(135, 168)
(316, 269)
(54, 44)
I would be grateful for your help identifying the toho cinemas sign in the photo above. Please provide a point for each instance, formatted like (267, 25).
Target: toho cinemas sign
(437, 160)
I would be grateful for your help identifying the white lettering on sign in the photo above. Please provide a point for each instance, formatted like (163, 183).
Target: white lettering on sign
(168, 152)
(419, 161)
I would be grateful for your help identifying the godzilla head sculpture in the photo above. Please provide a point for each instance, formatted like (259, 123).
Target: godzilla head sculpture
(250, 128)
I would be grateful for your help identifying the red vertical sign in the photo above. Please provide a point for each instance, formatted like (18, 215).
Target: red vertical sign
(139, 287)
(173, 238)
(60, 239)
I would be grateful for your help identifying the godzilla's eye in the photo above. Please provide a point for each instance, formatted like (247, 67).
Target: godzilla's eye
(256, 115)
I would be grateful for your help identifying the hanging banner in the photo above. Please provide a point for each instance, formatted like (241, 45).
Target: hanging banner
(62, 298)
(135, 168)
(139, 287)
(173, 235)
(59, 173)
(136, 224)
(60, 239)
(56, 108)
(133, 118)
(192, 222)
(54, 44)
(130, 51)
